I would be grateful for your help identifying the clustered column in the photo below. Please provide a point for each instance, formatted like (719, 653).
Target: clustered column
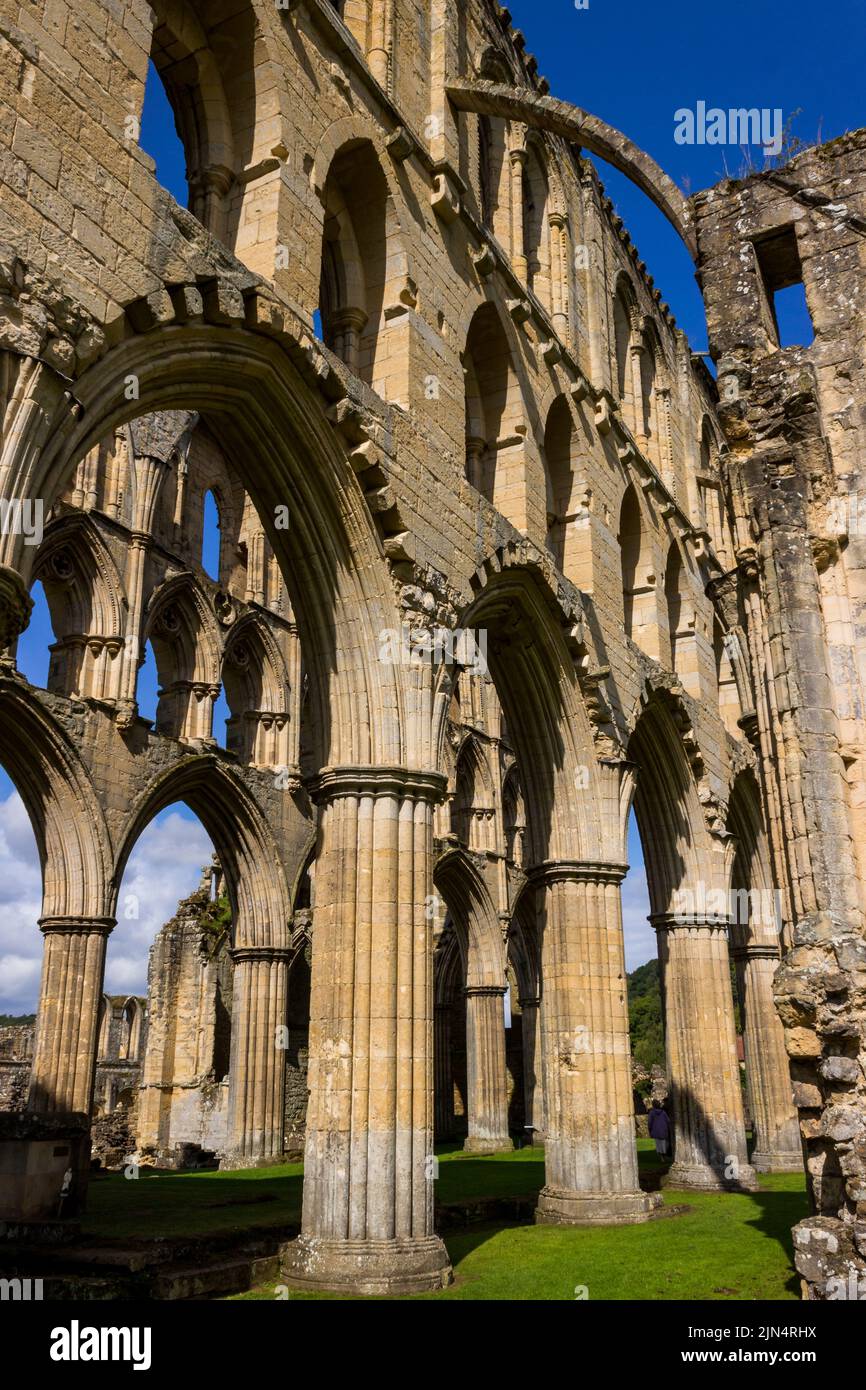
(369, 1167)
(258, 1057)
(485, 1070)
(703, 1070)
(590, 1146)
(778, 1148)
(64, 1058)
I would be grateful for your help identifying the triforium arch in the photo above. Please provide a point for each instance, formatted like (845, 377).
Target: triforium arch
(688, 875)
(88, 606)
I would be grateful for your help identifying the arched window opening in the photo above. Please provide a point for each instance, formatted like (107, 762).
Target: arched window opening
(558, 443)
(147, 687)
(211, 541)
(726, 652)
(172, 946)
(674, 601)
(638, 582)
(35, 645)
(495, 429)
(186, 644)
(473, 813)
(536, 228)
(259, 730)
(161, 139)
(514, 818)
(365, 291)
(622, 352)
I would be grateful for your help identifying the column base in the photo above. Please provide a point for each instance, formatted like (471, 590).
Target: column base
(385, 1267)
(557, 1207)
(701, 1177)
(476, 1145)
(777, 1162)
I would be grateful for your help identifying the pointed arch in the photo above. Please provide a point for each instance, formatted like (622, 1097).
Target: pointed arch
(258, 691)
(639, 591)
(182, 629)
(474, 915)
(71, 835)
(495, 421)
(365, 283)
(244, 842)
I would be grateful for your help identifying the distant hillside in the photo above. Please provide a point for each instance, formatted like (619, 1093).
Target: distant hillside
(645, 1015)
(16, 1020)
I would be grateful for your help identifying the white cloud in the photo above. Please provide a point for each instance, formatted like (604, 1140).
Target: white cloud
(640, 938)
(164, 867)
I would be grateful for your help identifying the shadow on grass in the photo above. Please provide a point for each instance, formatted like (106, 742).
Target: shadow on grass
(159, 1204)
(777, 1212)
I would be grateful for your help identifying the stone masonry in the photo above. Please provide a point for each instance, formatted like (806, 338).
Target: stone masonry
(500, 560)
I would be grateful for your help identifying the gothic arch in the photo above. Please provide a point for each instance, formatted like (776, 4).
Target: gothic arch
(476, 923)
(365, 285)
(534, 675)
(55, 787)
(244, 843)
(182, 629)
(330, 557)
(87, 602)
(495, 416)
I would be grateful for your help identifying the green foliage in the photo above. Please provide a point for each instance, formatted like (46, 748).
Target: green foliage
(645, 1015)
(216, 920)
(16, 1020)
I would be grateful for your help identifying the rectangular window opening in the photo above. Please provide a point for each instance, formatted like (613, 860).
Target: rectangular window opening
(778, 258)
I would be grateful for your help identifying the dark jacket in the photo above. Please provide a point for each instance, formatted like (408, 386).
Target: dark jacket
(659, 1125)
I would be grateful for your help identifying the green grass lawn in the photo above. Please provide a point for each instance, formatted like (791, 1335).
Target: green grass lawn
(726, 1246)
(174, 1204)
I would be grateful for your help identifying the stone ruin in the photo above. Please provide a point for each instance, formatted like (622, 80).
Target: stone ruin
(500, 560)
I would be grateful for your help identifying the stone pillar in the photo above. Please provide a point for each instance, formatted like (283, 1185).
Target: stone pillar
(487, 1087)
(444, 1077)
(73, 964)
(257, 1075)
(533, 1095)
(777, 1130)
(701, 1043)
(590, 1145)
(560, 274)
(368, 1178)
(518, 250)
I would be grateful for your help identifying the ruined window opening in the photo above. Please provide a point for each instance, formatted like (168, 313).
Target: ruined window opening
(161, 140)
(778, 259)
(33, 654)
(147, 685)
(211, 537)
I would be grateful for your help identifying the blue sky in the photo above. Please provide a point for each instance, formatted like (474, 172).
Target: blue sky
(634, 65)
